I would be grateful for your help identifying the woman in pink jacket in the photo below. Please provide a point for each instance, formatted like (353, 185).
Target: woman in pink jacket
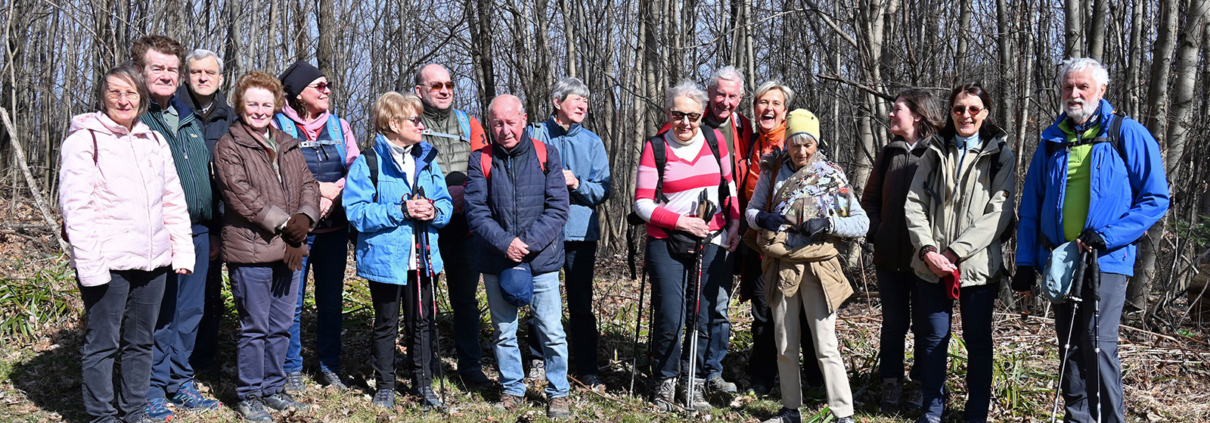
(124, 215)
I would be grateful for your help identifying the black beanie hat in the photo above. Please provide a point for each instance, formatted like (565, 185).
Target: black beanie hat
(296, 78)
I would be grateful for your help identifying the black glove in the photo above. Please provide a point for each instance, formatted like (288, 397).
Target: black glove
(817, 226)
(294, 256)
(1092, 239)
(1025, 279)
(296, 229)
(770, 221)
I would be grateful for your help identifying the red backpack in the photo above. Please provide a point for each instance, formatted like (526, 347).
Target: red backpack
(485, 159)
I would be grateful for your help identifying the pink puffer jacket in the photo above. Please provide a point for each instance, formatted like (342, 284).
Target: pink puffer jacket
(123, 207)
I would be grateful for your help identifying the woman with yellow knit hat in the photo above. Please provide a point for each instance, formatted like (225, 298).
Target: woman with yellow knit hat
(802, 205)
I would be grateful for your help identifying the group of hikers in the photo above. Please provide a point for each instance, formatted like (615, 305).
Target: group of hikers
(275, 186)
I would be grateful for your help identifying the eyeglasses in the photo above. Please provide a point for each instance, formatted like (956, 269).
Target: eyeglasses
(436, 86)
(974, 110)
(322, 86)
(414, 119)
(677, 116)
(129, 95)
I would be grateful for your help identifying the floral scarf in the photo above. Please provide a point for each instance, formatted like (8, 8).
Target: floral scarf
(818, 189)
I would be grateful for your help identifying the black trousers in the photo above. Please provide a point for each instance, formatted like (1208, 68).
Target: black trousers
(121, 317)
(582, 332)
(416, 301)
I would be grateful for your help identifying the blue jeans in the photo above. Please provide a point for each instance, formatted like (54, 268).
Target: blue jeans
(180, 314)
(1085, 367)
(895, 292)
(329, 253)
(264, 295)
(932, 314)
(121, 316)
(672, 303)
(547, 309)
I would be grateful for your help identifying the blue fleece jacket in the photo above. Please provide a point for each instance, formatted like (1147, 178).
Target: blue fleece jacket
(520, 201)
(1126, 198)
(385, 240)
(584, 155)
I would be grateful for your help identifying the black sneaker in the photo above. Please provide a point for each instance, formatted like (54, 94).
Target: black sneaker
(593, 383)
(252, 409)
(294, 382)
(384, 398)
(333, 380)
(786, 415)
(136, 417)
(474, 378)
(428, 398)
(282, 401)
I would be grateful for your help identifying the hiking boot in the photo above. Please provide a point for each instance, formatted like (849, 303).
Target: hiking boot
(915, 396)
(384, 398)
(157, 410)
(786, 415)
(252, 409)
(508, 402)
(333, 380)
(718, 384)
(188, 397)
(593, 383)
(697, 398)
(282, 401)
(474, 378)
(558, 408)
(136, 417)
(428, 398)
(664, 397)
(537, 371)
(892, 393)
(294, 383)
(112, 419)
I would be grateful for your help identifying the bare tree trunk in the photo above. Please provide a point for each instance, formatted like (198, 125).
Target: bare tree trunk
(570, 31)
(481, 48)
(1134, 58)
(233, 44)
(1004, 42)
(1074, 18)
(1186, 81)
(1096, 30)
(325, 54)
(964, 22)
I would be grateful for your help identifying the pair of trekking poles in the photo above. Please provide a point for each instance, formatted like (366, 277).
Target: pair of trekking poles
(706, 210)
(1076, 297)
(424, 248)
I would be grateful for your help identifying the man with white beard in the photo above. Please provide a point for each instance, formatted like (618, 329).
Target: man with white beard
(1097, 179)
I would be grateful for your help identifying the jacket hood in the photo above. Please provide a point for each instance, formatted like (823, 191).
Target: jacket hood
(101, 122)
(424, 153)
(1056, 135)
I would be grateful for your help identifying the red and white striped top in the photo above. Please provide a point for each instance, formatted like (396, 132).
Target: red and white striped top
(689, 169)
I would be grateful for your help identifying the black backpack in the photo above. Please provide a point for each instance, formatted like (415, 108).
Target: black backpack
(371, 162)
(659, 151)
(1113, 136)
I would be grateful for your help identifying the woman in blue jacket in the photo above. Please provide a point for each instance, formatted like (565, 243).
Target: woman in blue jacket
(397, 203)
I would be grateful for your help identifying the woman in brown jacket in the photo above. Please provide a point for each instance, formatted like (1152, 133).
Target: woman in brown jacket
(271, 202)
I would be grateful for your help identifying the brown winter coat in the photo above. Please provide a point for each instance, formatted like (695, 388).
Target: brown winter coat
(256, 202)
(883, 200)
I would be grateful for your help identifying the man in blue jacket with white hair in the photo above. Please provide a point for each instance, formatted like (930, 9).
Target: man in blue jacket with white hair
(516, 207)
(1083, 186)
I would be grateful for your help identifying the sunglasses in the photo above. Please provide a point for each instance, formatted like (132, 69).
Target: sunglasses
(974, 110)
(414, 119)
(436, 86)
(677, 116)
(322, 86)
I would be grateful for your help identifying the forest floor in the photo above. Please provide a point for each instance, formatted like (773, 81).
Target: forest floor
(1167, 376)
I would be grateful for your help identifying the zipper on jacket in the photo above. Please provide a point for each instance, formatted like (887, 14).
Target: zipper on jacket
(146, 199)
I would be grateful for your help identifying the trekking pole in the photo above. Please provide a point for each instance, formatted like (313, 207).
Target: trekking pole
(693, 332)
(1077, 282)
(638, 320)
(1096, 323)
(435, 343)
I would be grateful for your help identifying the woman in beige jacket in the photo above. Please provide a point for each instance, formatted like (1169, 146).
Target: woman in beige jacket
(959, 204)
(801, 206)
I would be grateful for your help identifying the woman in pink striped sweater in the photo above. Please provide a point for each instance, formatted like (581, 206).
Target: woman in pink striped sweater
(695, 166)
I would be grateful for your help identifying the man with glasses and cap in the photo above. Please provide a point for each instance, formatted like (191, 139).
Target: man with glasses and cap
(455, 134)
